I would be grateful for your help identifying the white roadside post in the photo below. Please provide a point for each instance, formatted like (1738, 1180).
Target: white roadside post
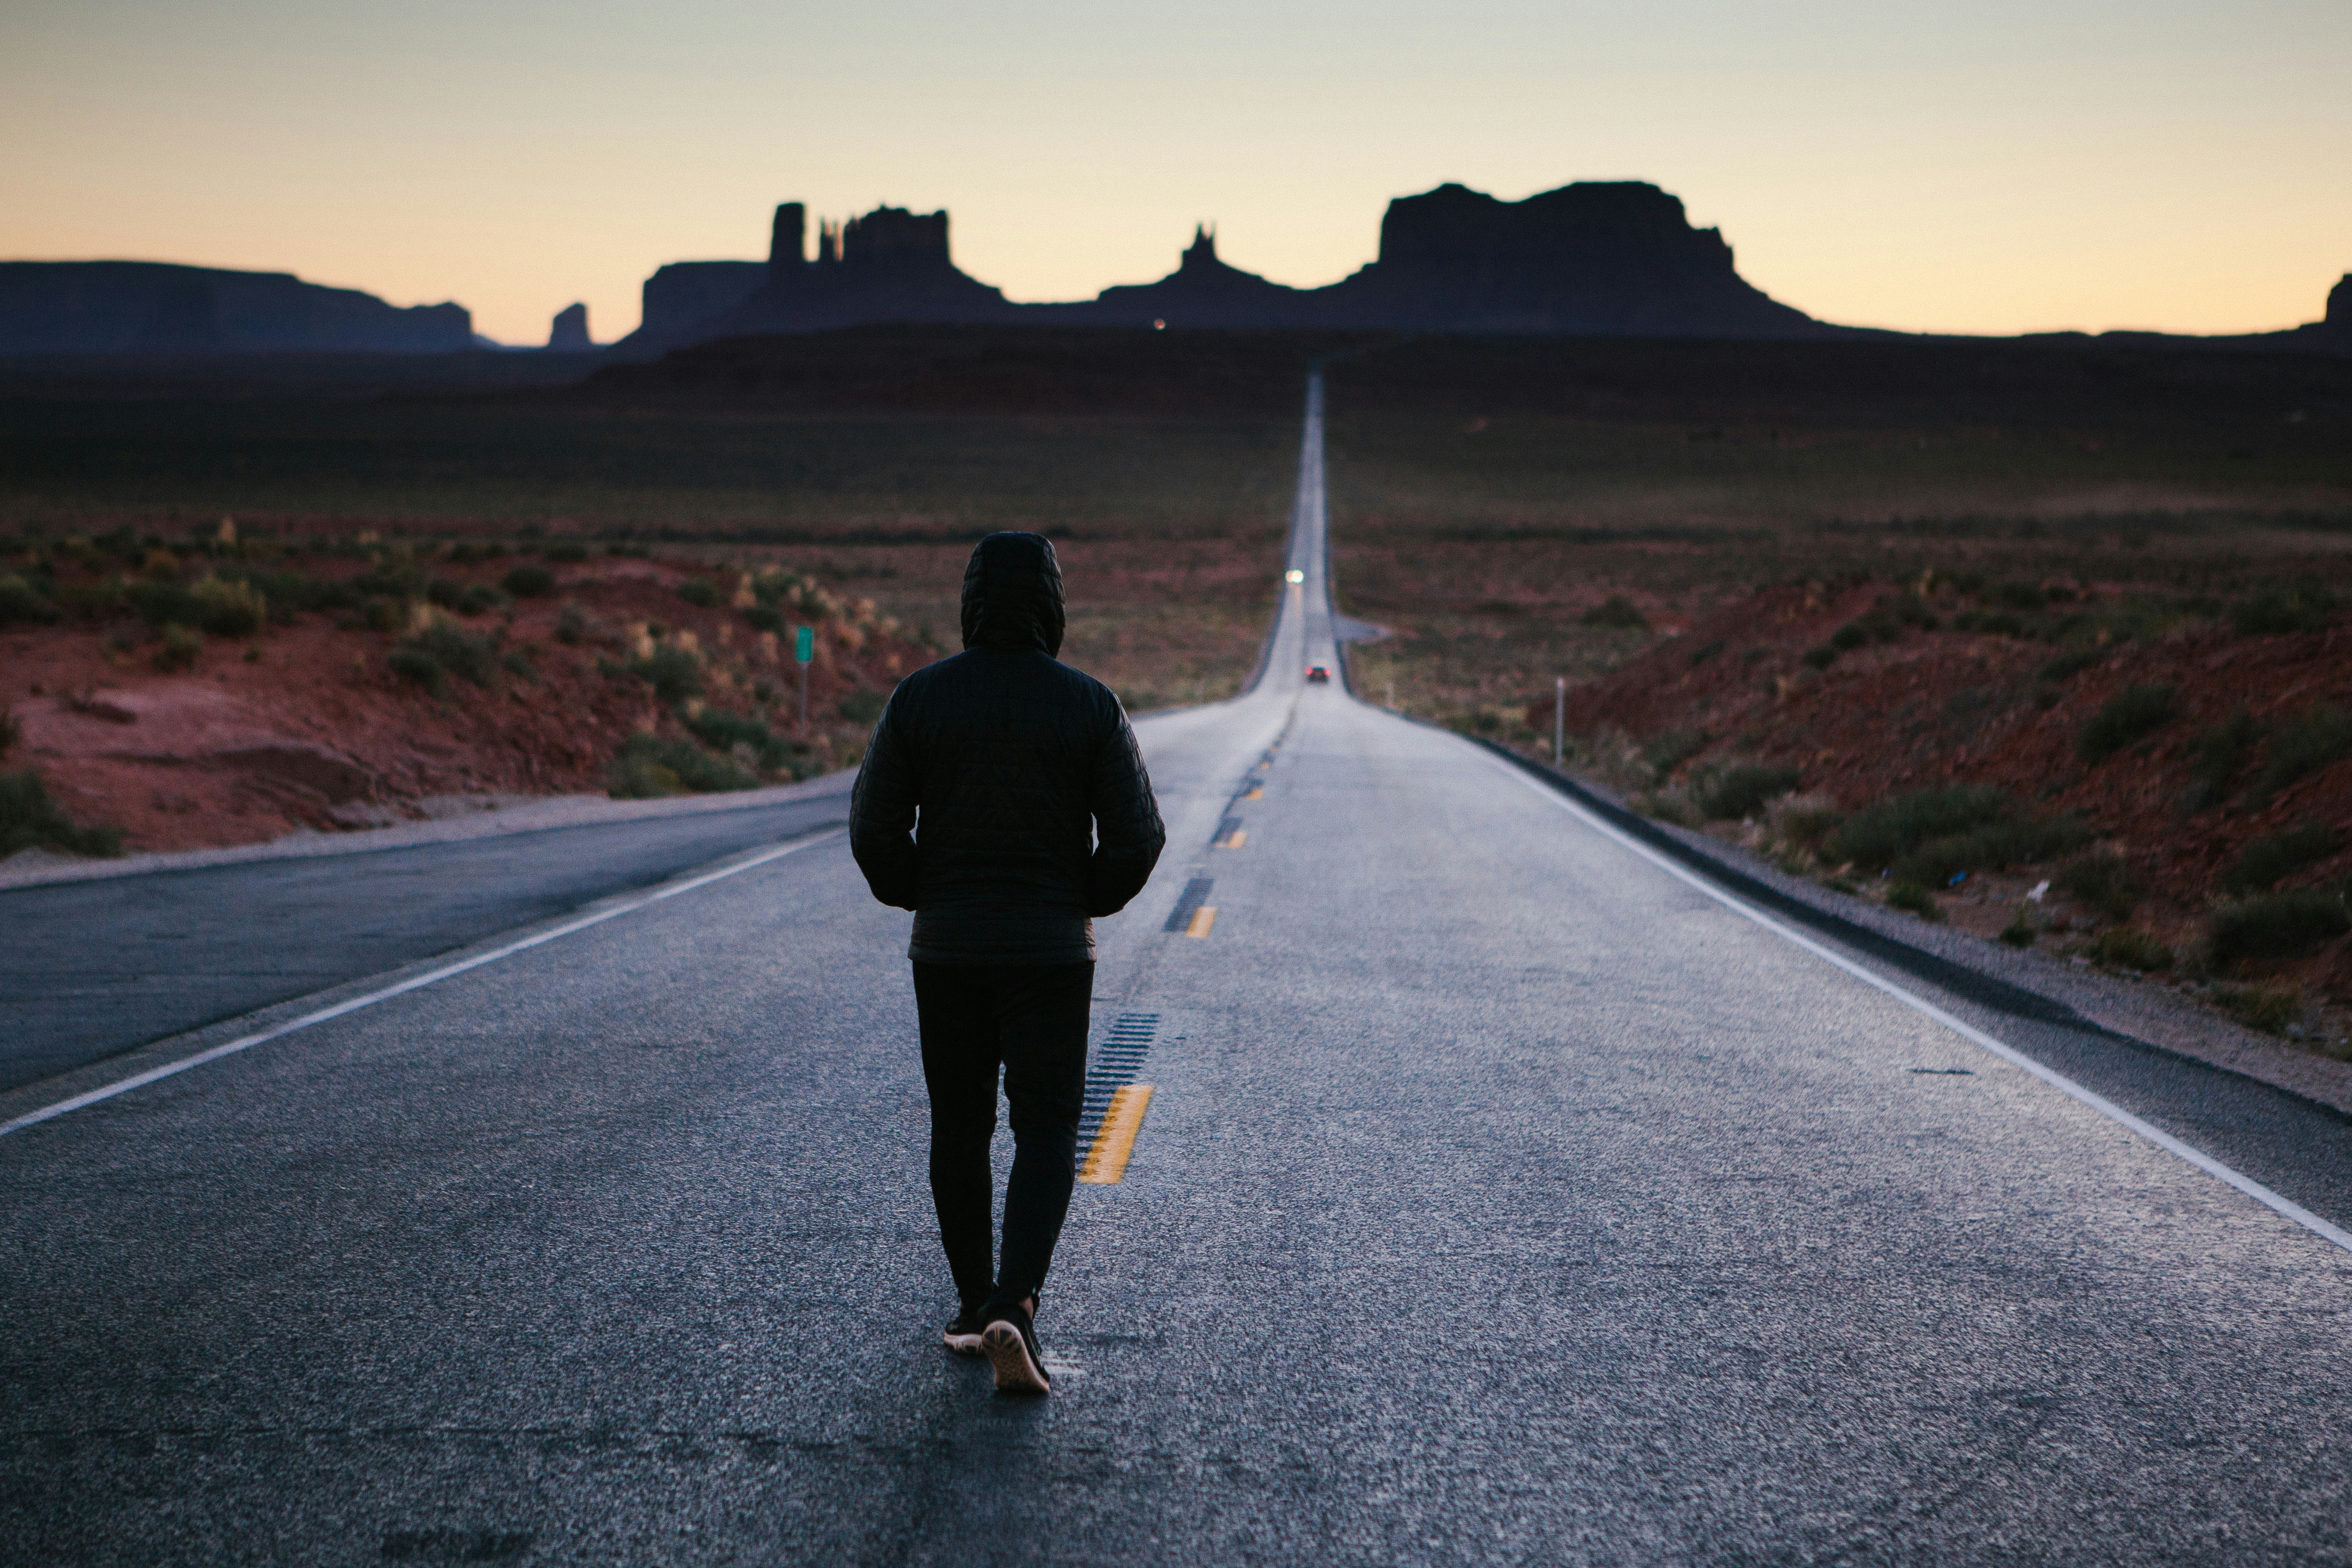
(1558, 719)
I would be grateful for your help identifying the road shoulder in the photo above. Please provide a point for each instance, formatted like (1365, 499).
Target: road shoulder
(495, 818)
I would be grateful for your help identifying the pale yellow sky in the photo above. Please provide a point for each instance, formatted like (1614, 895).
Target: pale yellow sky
(1994, 167)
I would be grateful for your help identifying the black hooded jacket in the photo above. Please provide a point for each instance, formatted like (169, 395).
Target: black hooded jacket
(1011, 758)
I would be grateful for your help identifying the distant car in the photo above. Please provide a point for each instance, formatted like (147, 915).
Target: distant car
(1317, 672)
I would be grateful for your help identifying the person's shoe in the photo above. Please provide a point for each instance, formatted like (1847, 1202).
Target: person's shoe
(1010, 1342)
(964, 1331)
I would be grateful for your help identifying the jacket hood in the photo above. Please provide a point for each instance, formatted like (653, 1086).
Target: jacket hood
(1012, 595)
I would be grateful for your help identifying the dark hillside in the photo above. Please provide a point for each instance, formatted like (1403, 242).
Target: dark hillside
(983, 370)
(1861, 382)
(1857, 382)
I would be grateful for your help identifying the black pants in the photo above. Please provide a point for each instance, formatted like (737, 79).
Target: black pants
(1030, 1019)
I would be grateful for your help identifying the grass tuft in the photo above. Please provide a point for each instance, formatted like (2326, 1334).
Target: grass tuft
(749, 741)
(2129, 947)
(1911, 896)
(2103, 881)
(178, 649)
(1927, 836)
(1617, 612)
(1796, 825)
(1666, 752)
(2268, 1008)
(2276, 926)
(1742, 791)
(421, 669)
(647, 766)
(2280, 611)
(2219, 757)
(674, 674)
(20, 601)
(1876, 837)
(30, 819)
(2306, 743)
(2130, 715)
(528, 582)
(442, 649)
(2271, 859)
(228, 609)
(465, 598)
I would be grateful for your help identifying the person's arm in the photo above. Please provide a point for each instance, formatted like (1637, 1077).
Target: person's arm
(882, 814)
(1128, 832)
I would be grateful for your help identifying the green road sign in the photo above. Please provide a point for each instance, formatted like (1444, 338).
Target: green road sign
(805, 644)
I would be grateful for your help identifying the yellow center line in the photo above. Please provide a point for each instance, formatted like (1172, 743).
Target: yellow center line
(1256, 792)
(1107, 1159)
(1239, 838)
(1202, 918)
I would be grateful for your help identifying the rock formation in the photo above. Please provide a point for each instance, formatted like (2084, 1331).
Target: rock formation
(1607, 259)
(2338, 319)
(679, 298)
(1201, 292)
(569, 336)
(891, 265)
(1599, 259)
(147, 307)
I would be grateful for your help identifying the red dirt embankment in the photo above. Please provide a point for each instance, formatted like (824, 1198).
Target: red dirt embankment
(1931, 708)
(308, 723)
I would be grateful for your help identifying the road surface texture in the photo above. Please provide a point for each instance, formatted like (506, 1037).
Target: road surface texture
(96, 968)
(1502, 1197)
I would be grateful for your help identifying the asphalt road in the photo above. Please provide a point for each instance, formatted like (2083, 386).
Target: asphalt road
(1502, 1198)
(93, 969)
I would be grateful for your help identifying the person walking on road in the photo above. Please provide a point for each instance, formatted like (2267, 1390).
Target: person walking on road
(1003, 800)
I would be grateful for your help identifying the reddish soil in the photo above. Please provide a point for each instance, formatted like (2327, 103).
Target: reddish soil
(307, 726)
(1942, 707)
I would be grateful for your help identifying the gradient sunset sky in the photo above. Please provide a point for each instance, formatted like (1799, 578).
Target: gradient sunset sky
(1996, 166)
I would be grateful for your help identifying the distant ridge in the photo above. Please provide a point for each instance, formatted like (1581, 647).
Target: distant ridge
(1607, 260)
(154, 307)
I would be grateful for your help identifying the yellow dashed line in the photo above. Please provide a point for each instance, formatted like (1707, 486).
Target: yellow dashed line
(1256, 792)
(1235, 842)
(1106, 1161)
(1202, 918)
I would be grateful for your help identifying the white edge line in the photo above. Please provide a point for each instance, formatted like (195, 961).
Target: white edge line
(1976, 1036)
(415, 982)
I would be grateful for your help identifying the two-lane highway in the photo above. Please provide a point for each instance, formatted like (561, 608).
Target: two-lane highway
(1501, 1197)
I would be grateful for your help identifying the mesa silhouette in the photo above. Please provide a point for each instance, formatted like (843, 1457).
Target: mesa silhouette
(1610, 260)
(1618, 260)
(158, 308)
